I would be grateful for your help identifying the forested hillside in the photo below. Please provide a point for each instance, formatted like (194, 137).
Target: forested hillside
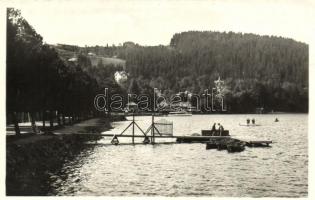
(259, 71)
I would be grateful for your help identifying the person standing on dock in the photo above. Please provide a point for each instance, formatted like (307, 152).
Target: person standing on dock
(213, 127)
(221, 129)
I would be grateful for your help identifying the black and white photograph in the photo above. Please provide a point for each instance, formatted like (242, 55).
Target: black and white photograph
(156, 98)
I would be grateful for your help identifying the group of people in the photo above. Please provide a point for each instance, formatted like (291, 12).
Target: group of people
(214, 128)
(248, 121)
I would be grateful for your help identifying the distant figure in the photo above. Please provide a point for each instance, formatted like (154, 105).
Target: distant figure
(276, 120)
(253, 121)
(248, 121)
(213, 127)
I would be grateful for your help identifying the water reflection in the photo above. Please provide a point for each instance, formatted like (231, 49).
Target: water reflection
(189, 169)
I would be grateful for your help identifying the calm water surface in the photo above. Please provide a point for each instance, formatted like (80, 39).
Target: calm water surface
(189, 169)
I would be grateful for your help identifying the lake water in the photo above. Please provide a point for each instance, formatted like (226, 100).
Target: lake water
(190, 169)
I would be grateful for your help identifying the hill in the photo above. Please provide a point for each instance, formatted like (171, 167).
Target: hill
(71, 53)
(259, 71)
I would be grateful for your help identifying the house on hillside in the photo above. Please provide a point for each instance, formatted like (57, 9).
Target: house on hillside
(73, 59)
(260, 110)
(91, 54)
(131, 107)
(120, 76)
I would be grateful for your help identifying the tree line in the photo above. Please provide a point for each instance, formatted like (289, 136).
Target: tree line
(259, 71)
(42, 83)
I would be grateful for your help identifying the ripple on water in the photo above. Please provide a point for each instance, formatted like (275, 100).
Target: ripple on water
(189, 169)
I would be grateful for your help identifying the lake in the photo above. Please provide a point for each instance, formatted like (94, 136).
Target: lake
(190, 169)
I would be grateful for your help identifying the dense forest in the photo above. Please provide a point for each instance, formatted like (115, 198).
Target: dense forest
(40, 82)
(60, 81)
(259, 71)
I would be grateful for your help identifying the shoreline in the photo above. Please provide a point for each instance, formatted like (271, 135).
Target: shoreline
(32, 160)
(274, 113)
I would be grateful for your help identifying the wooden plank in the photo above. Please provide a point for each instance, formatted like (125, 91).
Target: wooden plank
(161, 136)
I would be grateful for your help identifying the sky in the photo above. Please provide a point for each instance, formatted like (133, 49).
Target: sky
(101, 22)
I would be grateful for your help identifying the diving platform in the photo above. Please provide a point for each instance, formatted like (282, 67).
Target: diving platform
(163, 129)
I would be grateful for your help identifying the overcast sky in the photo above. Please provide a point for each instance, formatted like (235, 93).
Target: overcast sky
(96, 22)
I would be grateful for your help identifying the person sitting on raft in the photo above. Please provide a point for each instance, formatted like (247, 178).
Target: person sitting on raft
(253, 121)
(248, 121)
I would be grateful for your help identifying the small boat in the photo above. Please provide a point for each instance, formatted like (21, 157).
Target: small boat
(261, 143)
(211, 145)
(221, 145)
(235, 147)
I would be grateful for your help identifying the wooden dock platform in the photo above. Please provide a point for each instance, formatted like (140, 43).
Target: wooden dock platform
(193, 139)
(154, 132)
(179, 139)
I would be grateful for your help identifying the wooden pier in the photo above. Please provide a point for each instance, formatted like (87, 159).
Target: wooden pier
(179, 139)
(164, 130)
(189, 139)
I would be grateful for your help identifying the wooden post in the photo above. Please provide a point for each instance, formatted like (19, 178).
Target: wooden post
(152, 130)
(133, 128)
(51, 119)
(63, 119)
(44, 117)
(58, 118)
(33, 124)
(16, 124)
